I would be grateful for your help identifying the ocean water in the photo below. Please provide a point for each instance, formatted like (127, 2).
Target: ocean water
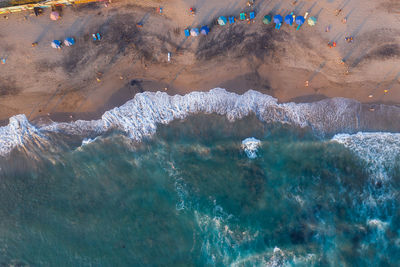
(208, 179)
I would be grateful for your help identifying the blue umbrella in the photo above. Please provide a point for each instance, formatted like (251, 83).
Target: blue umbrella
(299, 20)
(56, 44)
(278, 21)
(289, 19)
(69, 41)
(204, 30)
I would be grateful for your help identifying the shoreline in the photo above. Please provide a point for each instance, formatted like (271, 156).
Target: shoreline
(140, 117)
(370, 117)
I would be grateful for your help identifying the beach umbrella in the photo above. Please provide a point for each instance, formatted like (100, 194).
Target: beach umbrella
(54, 15)
(289, 19)
(222, 20)
(299, 20)
(312, 21)
(278, 21)
(187, 32)
(56, 44)
(69, 41)
(252, 15)
(204, 30)
(267, 19)
(194, 32)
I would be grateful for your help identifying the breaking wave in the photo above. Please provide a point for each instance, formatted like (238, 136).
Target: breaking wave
(139, 117)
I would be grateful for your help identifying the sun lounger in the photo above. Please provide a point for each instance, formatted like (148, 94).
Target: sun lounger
(231, 19)
(243, 16)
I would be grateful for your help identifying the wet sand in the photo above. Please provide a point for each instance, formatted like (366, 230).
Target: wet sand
(90, 77)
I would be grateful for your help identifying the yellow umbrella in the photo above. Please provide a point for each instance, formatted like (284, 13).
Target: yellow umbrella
(312, 21)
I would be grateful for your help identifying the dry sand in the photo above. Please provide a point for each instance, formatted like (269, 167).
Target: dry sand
(84, 80)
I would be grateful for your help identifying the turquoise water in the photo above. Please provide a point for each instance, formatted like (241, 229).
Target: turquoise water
(189, 196)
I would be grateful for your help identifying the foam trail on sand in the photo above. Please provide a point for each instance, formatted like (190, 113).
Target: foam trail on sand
(139, 117)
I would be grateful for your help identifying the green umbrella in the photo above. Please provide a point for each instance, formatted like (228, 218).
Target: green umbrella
(312, 21)
(267, 19)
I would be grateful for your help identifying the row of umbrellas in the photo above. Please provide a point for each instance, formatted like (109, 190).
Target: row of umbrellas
(195, 31)
(67, 42)
(289, 19)
(243, 16)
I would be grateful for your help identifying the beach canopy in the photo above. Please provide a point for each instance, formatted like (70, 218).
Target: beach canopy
(56, 44)
(312, 21)
(278, 19)
(194, 32)
(222, 20)
(289, 19)
(300, 20)
(242, 16)
(69, 41)
(267, 19)
(252, 15)
(187, 32)
(54, 15)
(231, 19)
(204, 30)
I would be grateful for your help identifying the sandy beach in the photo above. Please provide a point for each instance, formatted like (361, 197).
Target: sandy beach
(84, 80)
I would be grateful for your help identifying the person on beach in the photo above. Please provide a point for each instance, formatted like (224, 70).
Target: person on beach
(348, 39)
(331, 44)
(338, 11)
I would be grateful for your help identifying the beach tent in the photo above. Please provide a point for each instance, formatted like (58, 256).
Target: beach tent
(54, 15)
(299, 20)
(278, 21)
(194, 32)
(289, 19)
(252, 15)
(267, 19)
(187, 32)
(69, 41)
(231, 19)
(222, 21)
(312, 21)
(204, 30)
(242, 16)
(56, 44)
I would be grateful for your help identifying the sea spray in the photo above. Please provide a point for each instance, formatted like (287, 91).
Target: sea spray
(250, 146)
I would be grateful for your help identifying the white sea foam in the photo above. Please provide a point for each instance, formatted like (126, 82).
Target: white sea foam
(250, 146)
(16, 133)
(379, 150)
(139, 117)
